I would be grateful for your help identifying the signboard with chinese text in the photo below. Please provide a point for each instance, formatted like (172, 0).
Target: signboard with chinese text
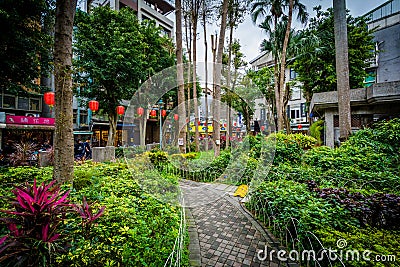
(29, 120)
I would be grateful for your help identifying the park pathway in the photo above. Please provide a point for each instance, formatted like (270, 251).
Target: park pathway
(221, 231)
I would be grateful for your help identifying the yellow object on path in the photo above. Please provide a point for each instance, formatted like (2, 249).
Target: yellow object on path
(241, 191)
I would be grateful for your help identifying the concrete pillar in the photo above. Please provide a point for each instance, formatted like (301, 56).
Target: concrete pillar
(98, 154)
(103, 154)
(329, 129)
(44, 159)
(114, 4)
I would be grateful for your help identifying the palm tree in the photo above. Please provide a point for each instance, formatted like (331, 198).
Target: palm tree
(342, 68)
(272, 11)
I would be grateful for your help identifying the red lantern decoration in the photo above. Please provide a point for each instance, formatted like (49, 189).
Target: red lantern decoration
(153, 113)
(163, 113)
(49, 99)
(93, 105)
(299, 126)
(120, 110)
(176, 117)
(140, 111)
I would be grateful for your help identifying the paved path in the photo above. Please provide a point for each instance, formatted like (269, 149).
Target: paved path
(221, 232)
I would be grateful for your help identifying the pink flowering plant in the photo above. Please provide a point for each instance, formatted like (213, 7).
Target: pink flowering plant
(34, 232)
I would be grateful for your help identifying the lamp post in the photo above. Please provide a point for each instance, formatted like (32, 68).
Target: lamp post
(160, 103)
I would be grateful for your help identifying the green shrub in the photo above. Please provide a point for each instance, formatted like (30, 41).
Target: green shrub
(378, 241)
(135, 230)
(287, 149)
(119, 152)
(158, 157)
(283, 201)
(316, 130)
(83, 177)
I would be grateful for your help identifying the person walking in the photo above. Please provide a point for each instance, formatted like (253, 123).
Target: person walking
(79, 150)
(87, 150)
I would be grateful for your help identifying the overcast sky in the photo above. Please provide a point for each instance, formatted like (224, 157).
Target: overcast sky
(251, 36)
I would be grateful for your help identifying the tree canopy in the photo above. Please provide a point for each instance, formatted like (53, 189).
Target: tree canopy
(25, 42)
(114, 54)
(315, 65)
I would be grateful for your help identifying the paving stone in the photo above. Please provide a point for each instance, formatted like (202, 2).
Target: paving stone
(227, 235)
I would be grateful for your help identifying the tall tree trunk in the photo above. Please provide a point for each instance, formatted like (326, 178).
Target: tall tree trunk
(282, 86)
(194, 57)
(277, 91)
(228, 85)
(206, 73)
(180, 78)
(188, 37)
(214, 52)
(64, 140)
(112, 131)
(217, 79)
(342, 68)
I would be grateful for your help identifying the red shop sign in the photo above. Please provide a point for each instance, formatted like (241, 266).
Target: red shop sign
(29, 120)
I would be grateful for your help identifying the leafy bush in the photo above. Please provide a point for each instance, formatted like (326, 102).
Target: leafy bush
(158, 157)
(135, 230)
(119, 152)
(377, 210)
(316, 130)
(282, 201)
(287, 149)
(377, 241)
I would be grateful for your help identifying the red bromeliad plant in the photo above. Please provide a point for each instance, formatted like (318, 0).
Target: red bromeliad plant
(85, 211)
(33, 228)
(38, 210)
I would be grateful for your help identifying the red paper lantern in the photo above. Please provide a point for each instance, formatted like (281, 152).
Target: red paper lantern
(299, 126)
(140, 111)
(163, 113)
(93, 105)
(176, 117)
(49, 99)
(120, 110)
(153, 113)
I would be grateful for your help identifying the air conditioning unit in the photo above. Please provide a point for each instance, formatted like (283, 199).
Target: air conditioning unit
(32, 115)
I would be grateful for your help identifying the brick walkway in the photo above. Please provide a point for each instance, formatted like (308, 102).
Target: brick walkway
(221, 232)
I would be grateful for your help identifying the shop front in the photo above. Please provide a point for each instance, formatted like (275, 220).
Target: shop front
(35, 131)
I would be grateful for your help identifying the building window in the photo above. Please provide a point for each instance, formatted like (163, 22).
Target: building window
(23, 103)
(8, 101)
(370, 79)
(293, 74)
(295, 114)
(34, 104)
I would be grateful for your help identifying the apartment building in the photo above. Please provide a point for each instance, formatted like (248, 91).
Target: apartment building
(296, 108)
(156, 10)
